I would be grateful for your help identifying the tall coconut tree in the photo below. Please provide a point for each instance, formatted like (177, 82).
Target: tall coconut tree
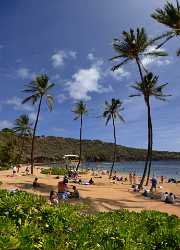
(147, 88)
(112, 112)
(23, 127)
(169, 15)
(80, 110)
(39, 88)
(135, 45)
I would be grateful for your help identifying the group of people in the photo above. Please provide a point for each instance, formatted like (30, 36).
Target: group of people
(16, 169)
(168, 198)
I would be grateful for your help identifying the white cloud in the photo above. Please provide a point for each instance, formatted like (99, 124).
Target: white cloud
(24, 73)
(59, 57)
(86, 81)
(119, 74)
(16, 102)
(160, 61)
(61, 98)
(90, 56)
(5, 124)
(32, 116)
(73, 54)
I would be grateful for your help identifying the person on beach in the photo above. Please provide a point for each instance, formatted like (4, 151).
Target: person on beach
(62, 190)
(35, 183)
(91, 181)
(164, 196)
(134, 179)
(75, 193)
(170, 199)
(162, 179)
(14, 169)
(27, 170)
(153, 184)
(53, 198)
(18, 167)
(130, 178)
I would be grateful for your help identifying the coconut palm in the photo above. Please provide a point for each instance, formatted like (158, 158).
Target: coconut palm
(112, 111)
(22, 128)
(133, 46)
(148, 88)
(80, 110)
(38, 89)
(169, 15)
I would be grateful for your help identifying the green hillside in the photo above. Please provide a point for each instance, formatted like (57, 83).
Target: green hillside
(52, 148)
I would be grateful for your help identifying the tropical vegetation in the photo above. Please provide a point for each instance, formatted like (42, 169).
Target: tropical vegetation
(38, 89)
(80, 110)
(112, 112)
(148, 88)
(29, 222)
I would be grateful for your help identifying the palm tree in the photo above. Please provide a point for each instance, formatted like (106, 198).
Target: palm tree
(147, 88)
(112, 112)
(22, 128)
(170, 17)
(133, 46)
(38, 88)
(80, 110)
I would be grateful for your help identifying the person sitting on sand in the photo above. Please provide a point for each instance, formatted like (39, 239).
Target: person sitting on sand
(75, 194)
(53, 198)
(91, 181)
(62, 190)
(164, 196)
(114, 178)
(35, 183)
(170, 199)
(65, 179)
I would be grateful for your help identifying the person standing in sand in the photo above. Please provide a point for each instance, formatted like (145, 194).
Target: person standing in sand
(14, 170)
(134, 179)
(130, 178)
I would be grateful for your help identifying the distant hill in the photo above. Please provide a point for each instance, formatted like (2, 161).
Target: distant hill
(52, 148)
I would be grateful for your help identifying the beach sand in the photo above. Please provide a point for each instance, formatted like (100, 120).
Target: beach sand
(102, 196)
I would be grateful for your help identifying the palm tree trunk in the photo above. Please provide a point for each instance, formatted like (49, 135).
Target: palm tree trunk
(80, 145)
(149, 130)
(114, 156)
(34, 133)
(149, 144)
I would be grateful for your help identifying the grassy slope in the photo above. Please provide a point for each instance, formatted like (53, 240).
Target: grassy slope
(55, 147)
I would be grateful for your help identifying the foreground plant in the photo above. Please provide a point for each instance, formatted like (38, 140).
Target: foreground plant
(39, 89)
(147, 88)
(80, 110)
(112, 112)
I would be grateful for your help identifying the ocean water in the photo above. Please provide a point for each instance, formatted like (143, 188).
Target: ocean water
(168, 168)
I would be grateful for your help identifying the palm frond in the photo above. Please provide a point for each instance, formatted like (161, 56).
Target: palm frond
(120, 64)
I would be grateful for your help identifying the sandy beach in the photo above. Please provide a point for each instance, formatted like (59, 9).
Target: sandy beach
(102, 196)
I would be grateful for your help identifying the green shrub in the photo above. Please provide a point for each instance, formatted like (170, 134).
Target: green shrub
(29, 222)
(55, 171)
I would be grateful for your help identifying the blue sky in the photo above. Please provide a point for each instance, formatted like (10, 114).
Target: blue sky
(71, 42)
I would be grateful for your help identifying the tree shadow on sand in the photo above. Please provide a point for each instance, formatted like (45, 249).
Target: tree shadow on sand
(43, 188)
